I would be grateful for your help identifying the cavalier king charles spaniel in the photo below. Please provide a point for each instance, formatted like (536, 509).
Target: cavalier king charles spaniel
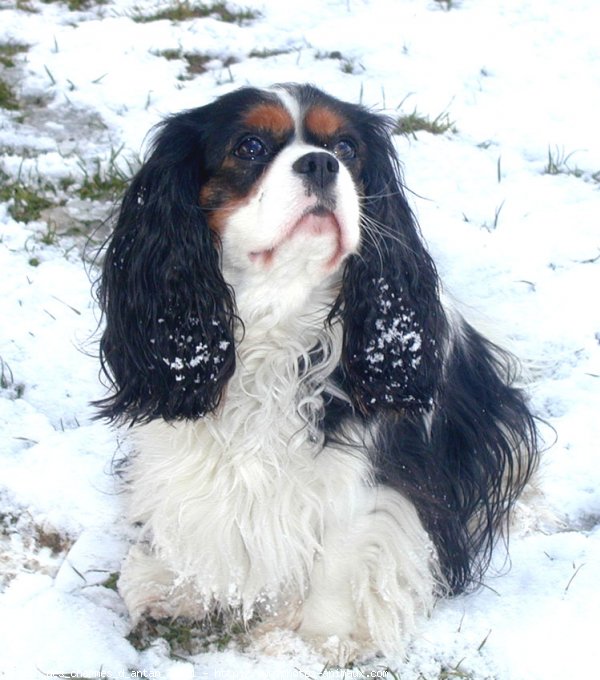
(322, 444)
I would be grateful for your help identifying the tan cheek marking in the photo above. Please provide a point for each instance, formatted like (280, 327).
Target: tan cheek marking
(217, 217)
(270, 117)
(323, 122)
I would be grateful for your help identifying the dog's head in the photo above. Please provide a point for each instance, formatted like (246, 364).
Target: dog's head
(245, 210)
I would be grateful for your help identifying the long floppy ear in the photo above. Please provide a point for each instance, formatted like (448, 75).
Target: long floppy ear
(167, 348)
(394, 325)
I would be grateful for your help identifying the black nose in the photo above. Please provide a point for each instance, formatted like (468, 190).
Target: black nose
(318, 167)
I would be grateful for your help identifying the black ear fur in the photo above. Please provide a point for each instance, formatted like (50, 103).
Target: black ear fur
(394, 325)
(485, 440)
(167, 347)
(464, 467)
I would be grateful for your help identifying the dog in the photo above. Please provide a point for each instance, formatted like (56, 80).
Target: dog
(322, 442)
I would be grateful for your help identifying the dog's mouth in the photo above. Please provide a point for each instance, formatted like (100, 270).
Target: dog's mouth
(318, 221)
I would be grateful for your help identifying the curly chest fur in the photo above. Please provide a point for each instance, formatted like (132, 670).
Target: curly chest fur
(239, 502)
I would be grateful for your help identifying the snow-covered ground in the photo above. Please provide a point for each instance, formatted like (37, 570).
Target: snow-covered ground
(508, 199)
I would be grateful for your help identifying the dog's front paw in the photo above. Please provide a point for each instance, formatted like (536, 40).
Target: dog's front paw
(148, 588)
(334, 650)
(274, 639)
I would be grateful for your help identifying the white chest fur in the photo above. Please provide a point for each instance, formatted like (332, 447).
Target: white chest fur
(237, 504)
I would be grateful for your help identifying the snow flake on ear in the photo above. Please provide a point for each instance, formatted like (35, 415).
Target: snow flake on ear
(388, 362)
(192, 356)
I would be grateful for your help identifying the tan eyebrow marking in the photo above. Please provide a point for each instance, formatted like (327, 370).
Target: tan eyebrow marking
(272, 117)
(323, 122)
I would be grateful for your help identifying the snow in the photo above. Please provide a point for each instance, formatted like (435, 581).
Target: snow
(517, 246)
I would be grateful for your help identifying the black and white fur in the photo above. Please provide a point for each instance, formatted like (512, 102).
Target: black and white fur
(321, 442)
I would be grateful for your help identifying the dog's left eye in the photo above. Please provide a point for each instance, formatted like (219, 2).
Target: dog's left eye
(344, 150)
(250, 148)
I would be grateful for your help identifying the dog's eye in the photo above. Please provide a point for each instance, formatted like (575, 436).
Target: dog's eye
(344, 150)
(250, 148)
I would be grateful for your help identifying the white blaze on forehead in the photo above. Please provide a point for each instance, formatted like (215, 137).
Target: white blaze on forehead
(292, 106)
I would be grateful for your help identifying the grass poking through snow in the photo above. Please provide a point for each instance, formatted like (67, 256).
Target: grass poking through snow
(8, 97)
(411, 123)
(183, 10)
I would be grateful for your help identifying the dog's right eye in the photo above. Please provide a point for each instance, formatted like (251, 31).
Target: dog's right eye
(250, 148)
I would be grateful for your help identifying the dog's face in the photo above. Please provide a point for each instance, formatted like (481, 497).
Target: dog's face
(283, 197)
(266, 206)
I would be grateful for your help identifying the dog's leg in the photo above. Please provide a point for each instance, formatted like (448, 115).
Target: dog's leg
(375, 577)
